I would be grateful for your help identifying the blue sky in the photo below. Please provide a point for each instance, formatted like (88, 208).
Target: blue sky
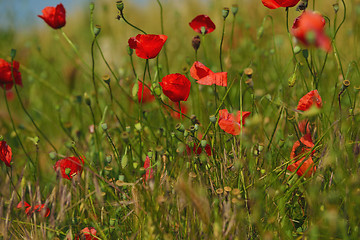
(15, 13)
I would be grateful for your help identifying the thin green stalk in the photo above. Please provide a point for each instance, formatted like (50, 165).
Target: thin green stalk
(180, 110)
(123, 17)
(221, 43)
(162, 32)
(93, 72)
(95, 131)
(14, 128)
(24, 109)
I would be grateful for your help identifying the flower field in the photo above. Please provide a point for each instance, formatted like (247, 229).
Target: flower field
(182, 120)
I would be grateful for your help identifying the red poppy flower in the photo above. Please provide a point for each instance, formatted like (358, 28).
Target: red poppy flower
(207, 77)
(147, 46)
(147, 96)
(6, 78)
(31, 210)
(72, 163)
(54, 16)
(88, 233)
(230, 123)
(311, 98)
(149, 174)
(5, 153)
(202, 21)
(199, 150)
(176, 87)
(298, 154)
(309, 30)
(272, 4)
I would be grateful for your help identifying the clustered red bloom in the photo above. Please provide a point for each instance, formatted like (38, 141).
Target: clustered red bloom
(88, 233)
(5, 153)
(308, 28)
(29, 210)
(54, 16)
(207, 77)
(198, 150)
(147, 46)
(176, 87)
(302, 156)
(273, 4)
(202, 21)
(146, 94)
(6, 77)
(74, 165)
(230, 123)
(310, 99)
(149, 174)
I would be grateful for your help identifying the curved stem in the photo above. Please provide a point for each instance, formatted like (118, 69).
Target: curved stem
(123, 17)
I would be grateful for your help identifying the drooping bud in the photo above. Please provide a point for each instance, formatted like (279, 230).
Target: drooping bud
(196, 42)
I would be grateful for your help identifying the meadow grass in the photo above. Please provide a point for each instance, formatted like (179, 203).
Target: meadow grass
(243, 190)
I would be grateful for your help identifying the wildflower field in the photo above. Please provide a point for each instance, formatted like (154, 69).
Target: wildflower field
(184, 119)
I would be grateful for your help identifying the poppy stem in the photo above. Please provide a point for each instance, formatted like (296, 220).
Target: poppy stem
(93, 72)
(133, 26)
(12, 183)
(14, 128)
(26, 112)
(204, 47)
(162, 32)
(180, 110)
(289, 35)
(221, 43)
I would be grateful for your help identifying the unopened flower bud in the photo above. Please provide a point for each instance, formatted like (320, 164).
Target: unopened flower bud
(104, 126)
(196, 42)
(180, 127)
(92, 6)
(150, 154)
(130, 51)
(305, 53)
(292, 80)
(97, 30)
(225, 12)
(212, 119)
(336, 7)
(106, 79)
(248, 72)
(108, 158)
(203, 143)
(120, 5)
(234, 9)
(52, 155)
(297, 49)
(87, 99)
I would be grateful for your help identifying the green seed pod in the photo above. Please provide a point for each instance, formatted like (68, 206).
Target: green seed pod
(97, 30)
(292, 80)
(203, 143)
(225, 12)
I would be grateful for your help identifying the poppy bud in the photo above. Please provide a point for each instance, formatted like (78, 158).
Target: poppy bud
(212, 119)
(87, 99)
(196, 42)
(250, 83)
(192, 129)
(130, 50)
(234, 9)
(97, 30)
(203, 143)
(305, 53)
(108, 158)
(120, 5)
(248, 72)
(12, 54)
(186, 133)
(180, 127)
(106, 79)
(297, 49)
(138, 126)
(336, 7)
(124, 136)
(92, 6)
(52, 155)
(225, 12)
(150, 154)
(346, 84)
(104, 126)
